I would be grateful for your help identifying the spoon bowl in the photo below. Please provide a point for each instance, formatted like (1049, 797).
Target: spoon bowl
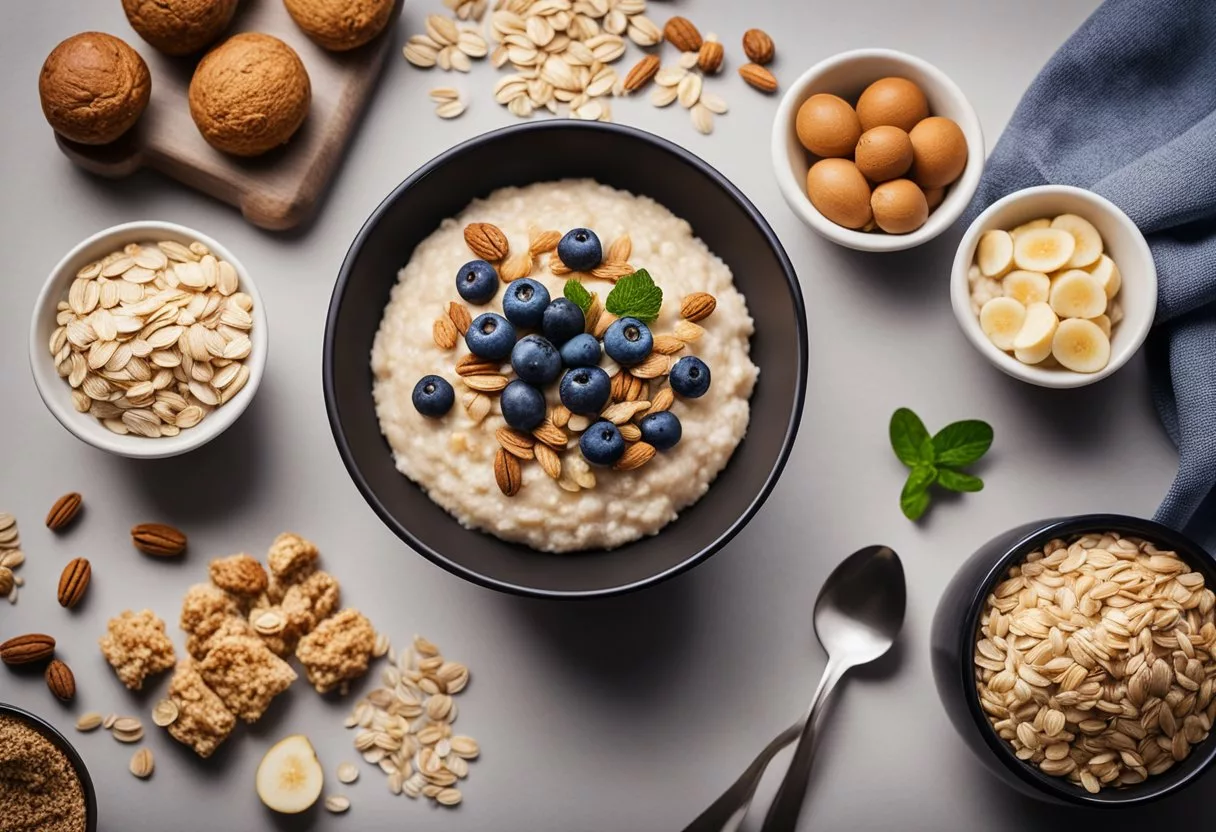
(860, 609)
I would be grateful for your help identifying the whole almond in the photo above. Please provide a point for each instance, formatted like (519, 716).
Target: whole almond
(630, 432)
(472, 365)
(61, 680)
(620, 250)
(667, 344)
(459, 313)
(635, 456)
(681, 34)
(758, 77)
(26, 649)
(486, 383)
(444, 332)
(551, 435)
(486, 240)
(641, 73)
(709, 59)
(74, 581)
(7, 581)
(158, 539)
(516, 442)
(549, 461)
(698, 306)
(517, 266)
(64, 511)
(507, 473)
(655, 365)
(758, 46)
(543, 241)
(663, 400)
(560, 415)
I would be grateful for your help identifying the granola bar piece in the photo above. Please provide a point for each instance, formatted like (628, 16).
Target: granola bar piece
(239, 574)
(231, 626)
(291, 558)
(303, 605)
(245, 675)
(203, 722)
(136, 647)
(204, 610)
(338, 650)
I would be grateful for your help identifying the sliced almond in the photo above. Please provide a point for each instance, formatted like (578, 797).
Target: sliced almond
(635, 456)
(516, 443)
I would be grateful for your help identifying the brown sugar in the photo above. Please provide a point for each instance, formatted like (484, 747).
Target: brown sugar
(239, 574)
(245, 675)
(136, 647)
(338, 650)
(203, 722)
(39, 788)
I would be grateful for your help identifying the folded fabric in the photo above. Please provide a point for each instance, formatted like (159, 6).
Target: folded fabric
(1127, 109)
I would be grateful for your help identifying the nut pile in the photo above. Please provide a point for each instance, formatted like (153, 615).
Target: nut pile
(11, 557)
(153, 338)
(406, 725)
(1094, 660)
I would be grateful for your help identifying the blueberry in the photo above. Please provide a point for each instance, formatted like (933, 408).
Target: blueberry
(433, 396)
(524, 302)
(490, 336)
(690, 377)
(661, 429)
(581, 351)
(477, 281)
(523, 406)
(628, 341)
(562, 321)
(602, 443)
(535, 360)
(585, 389)
(580, 249)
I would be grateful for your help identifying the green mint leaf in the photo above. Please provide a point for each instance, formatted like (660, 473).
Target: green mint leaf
(958, 481)
(914, 499)
(962, 443)
(635, 296)
(577, 294)
(909, 438)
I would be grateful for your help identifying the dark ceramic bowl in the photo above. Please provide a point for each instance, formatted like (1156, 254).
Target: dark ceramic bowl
(953, 643)
(60, 741)
(623, 158)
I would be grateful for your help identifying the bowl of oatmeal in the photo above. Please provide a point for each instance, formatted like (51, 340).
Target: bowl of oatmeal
(575, 374)
(44, 783)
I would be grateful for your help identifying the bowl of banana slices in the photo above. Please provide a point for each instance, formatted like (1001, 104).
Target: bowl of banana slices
(1055, 286)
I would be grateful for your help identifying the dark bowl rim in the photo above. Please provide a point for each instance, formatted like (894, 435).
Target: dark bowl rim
(453, 153)
(1142, 793)
(56, 737)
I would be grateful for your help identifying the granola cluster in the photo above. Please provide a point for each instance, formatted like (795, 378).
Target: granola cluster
(136, 647)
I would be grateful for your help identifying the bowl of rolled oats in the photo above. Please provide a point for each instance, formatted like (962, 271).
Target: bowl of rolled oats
(148, 340)
(1076, 659)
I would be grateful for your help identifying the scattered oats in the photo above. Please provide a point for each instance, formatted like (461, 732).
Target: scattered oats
(89, 722)
(142, 763)
(164, 713)
(713, 102)
(442, 94)
(661, 96)
(450, 109)
(337, 803)
(109, 721)
(347, 773)
(381, 646)
(702, 119)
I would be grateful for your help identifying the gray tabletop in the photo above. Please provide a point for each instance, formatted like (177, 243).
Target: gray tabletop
(631, 713)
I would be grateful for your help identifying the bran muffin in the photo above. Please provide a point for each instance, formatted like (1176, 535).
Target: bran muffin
(179, 27)
(340, 25)
(93, 88)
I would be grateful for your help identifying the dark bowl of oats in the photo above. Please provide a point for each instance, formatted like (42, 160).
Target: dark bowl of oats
(43, 780)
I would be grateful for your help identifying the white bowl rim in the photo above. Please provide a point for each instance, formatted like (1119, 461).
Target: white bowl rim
(140, 447)
(941, 218)
(1058, 378)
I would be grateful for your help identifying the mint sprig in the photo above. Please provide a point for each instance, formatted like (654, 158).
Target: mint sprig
(577, 294)
(936, 459)
(635, 296)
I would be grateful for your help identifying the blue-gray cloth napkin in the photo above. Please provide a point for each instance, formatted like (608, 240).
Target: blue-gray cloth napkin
(1127, 109)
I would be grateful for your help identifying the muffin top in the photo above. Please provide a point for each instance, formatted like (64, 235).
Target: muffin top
(93, 87)
(179, 27)
(339, 25)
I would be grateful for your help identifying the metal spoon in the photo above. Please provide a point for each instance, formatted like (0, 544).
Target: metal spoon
(858, 615)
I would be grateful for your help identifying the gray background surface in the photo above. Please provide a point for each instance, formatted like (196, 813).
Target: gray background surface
(627, 714)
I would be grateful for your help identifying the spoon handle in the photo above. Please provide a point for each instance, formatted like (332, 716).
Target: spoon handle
(783, 813)
(715, 818)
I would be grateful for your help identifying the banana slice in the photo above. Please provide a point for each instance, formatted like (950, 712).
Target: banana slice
(1001, 319)
(1088, 241)
(1081, 346)
(1043, 249)
(995, 253)
(1107, 274)
(289, 778)
(1030, 226)
(1026, 287)
(1115, 312)
(1103, 323)
(974, 274)
(1075, 294)
(1033, 342)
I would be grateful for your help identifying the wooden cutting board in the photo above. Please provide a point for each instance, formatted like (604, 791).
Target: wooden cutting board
(280, 189)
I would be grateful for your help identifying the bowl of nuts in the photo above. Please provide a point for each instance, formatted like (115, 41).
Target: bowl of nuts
(148, 340)
(1074, 657)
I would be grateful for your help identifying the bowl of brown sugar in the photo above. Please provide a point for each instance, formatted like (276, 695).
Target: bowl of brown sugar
(44, 784)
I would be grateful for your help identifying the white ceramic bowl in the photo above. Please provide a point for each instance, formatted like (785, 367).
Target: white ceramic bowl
(1122, 241)
(55, 391)
(847, 75)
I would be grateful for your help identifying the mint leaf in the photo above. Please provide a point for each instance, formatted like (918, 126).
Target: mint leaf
(577, 294)
(914, 500)
(909, 438)
(635, 296)
(962, 443)
(958, 481)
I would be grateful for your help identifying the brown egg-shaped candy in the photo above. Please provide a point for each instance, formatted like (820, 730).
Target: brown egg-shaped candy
(899, 206)
(839, 192)
(939, 152)
(827, 126)
(893, 101)
(93, 88)
(883, 153)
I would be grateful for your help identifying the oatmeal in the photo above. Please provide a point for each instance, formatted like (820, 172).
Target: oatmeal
(538, 488)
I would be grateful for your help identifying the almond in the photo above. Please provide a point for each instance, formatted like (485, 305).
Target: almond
(654, 366)
(622, 412)
(758, 46)
(517, 266)
(486, 241)
(612, 271)
(472, 365)
(74, 581)
(641, 73)
(26, 649)
(635, 456)
(758, 77)
(543, 241)
(663, 400)
(698, 306)
(551, 435)
(507, 473)
(549, 461)
(486, 383)
(560, 415)
(444, 332)
(64, 511)
(667, 344)
(687, 331)
(630, 432)
(461, 318)
(158, 539)
(61, 680)
(626, 387)
(620, 250)
(709, 59)
(516, 443)
(681, 34)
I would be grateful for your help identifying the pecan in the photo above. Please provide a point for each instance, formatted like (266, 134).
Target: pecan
(158, 539)
(61, 680)
(507, 473)
(26, 649)
(64, 511)
(681, 34)
(74, 581)
(758, 46)
(641, 73)
(486, 240)
(709, 59)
